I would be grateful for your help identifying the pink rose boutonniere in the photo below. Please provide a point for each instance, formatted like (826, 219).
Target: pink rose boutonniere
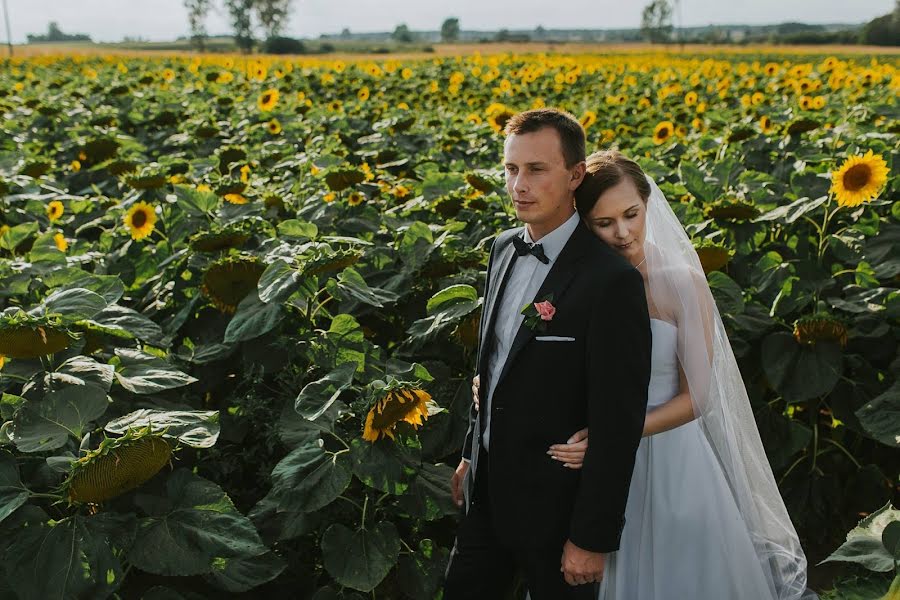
(539, 313)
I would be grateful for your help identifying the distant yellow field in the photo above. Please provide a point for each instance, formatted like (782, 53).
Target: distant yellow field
(499, 48)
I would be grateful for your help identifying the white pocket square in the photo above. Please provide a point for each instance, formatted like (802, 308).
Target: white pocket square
(553, 338)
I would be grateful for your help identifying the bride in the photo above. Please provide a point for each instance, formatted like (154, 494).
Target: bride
(704, 518)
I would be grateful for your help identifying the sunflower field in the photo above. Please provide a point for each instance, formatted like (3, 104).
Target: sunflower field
(240, 300)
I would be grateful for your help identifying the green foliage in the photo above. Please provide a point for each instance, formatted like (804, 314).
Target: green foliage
(255, 332)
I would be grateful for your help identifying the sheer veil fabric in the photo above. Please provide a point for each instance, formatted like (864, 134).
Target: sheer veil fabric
(678, 291)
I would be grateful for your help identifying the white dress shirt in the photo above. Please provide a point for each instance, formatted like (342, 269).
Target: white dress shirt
(527, 276)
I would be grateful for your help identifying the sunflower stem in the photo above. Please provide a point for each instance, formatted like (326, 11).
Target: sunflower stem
(362, 521)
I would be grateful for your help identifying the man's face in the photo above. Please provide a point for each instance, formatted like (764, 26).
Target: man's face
(538, 182)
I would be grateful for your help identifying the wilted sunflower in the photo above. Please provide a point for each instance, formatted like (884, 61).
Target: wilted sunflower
(267, 100)
(274, 127)
(713, 256)
(140, 220)
(820, 328)
(55, 210)
(663, 132)
(117, 466)
(31, 338)
(228, 281)
(859, 179)
(406, 404)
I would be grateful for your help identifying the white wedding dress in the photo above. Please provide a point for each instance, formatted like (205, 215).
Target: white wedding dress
(684, 538)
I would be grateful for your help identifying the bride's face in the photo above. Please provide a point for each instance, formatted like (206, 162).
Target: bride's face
(619, 218)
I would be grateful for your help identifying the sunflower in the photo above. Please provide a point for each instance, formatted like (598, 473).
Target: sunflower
(2, 361)
(765, 124)
(227, 281)
(859, 179)
(60, 241)
(406, 404)
(588, 119)
(713, 256)
(498, 120)
(363, 94)
(690, 99)
(355, 198)
(140, 220)
(267, 100)
(32, 338)
(329, 197)
(820, 328)
(236, 198)
(55, 210)
(274, 127)
(663, 132)
(406, 73)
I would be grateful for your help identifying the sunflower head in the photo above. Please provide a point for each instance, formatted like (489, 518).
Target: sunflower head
(327, 261)
(267, 100)
(23, 336)
(55, 210)
(663, 132)
(274, 126)
(821, 327)
(355, 198)
(217, 239)
(398, 402)
(732, 209)
(140, 220)
(117, 466)
(859, 179)
(713, 256)
(588, 119)
(228, 280)
(497, 120)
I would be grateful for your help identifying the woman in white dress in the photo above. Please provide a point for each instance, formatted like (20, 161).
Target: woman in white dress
(704, 518)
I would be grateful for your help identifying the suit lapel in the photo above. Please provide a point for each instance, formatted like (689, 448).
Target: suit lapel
(558, 279)
(499, 279)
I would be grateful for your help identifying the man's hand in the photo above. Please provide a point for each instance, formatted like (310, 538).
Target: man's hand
(581, 566)
(456, 482)
(476, 386)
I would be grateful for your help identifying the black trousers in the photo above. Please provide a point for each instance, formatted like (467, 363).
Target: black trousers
(483, 567)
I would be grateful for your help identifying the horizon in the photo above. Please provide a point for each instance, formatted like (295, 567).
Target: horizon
(166, 20)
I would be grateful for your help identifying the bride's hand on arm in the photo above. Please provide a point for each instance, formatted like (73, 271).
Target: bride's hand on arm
(571, 454)
(476, 384)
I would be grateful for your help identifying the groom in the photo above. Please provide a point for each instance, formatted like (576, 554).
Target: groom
(581, 357)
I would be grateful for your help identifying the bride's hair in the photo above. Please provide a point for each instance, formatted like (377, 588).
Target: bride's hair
(605, 170)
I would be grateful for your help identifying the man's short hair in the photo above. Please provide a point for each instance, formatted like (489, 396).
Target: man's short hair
(571, 133)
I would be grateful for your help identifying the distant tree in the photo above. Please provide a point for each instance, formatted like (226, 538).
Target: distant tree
(55, 34)
(197, 10)
(540, 32)
(882, 31)
(402, 33)
(345, 33)
(241, 13)
(450, 30)
(656, 21)
(272, 15)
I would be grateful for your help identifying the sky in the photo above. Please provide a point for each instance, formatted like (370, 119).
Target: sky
(163, 20)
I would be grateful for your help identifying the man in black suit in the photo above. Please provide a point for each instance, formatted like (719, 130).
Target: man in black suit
(579, 357)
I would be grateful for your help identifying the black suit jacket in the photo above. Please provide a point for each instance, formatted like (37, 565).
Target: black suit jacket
(548, 390)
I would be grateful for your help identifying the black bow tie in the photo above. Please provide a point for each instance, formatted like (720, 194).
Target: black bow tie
(523, 248)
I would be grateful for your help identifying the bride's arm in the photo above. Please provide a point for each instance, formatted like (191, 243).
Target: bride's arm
(693, 309)
(674, 413)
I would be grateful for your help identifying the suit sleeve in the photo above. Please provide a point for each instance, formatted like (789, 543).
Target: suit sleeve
(618, 373)
(473, 414)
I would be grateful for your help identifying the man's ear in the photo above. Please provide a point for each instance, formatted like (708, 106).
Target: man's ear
(577, 175)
